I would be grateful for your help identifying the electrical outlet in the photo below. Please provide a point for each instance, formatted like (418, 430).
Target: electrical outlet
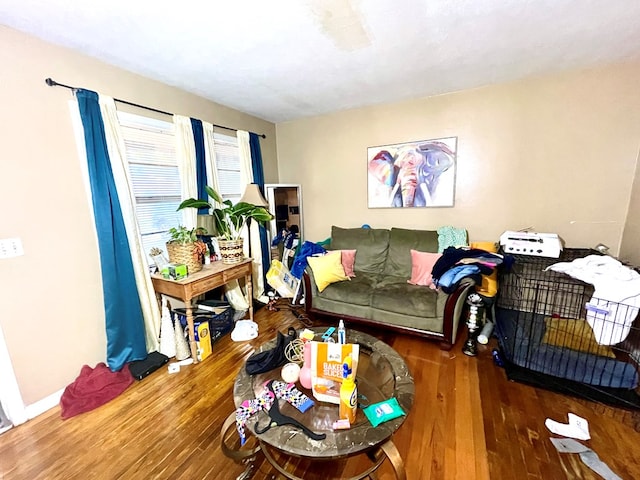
(11, 247)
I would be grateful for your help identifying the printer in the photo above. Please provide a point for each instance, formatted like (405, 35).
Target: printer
(531, 243)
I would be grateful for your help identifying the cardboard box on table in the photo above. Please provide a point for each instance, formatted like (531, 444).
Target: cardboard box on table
(326, 368)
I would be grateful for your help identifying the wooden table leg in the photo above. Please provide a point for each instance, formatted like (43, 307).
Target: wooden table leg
(392, 453)
(237, 455)
(190, 330)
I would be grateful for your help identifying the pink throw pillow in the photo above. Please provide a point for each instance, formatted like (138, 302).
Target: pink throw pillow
(421, 266)
(348, 262)
(348, 259)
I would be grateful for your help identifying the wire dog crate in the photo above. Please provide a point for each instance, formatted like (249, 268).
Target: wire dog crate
(553, 333)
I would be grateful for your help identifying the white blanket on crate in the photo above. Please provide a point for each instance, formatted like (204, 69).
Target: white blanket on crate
(616, 299)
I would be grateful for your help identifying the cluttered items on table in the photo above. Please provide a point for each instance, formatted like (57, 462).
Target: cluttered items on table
(327, 364)
(313, 372)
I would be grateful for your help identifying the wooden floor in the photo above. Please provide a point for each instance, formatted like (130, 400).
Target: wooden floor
(468, 422)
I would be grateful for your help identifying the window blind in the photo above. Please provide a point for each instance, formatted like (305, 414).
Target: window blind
(153, 168)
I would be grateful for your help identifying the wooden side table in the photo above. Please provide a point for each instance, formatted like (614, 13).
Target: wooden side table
(211, 276)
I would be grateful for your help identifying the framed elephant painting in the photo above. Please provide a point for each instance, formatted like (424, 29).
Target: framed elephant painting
(414, 174)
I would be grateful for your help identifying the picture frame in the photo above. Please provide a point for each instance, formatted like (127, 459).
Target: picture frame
(412, 174)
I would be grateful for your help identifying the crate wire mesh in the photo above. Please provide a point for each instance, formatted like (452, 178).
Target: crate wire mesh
(554, 334)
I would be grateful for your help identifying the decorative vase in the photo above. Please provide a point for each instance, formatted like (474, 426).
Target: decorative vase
(187, 253)
(231, 251)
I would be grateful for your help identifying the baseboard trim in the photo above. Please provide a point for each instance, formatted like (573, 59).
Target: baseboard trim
(43, 405)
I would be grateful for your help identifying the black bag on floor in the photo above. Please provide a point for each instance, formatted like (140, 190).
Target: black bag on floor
(141, 368)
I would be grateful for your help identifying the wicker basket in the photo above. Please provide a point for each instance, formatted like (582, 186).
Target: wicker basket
(231, 251)
(185, 253)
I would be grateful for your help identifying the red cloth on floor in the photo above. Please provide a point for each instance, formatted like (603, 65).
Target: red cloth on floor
(93, 387)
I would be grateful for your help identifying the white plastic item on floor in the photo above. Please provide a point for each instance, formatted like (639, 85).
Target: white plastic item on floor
(588, 457)
(578, 427)
(485, 333)
(244, 330)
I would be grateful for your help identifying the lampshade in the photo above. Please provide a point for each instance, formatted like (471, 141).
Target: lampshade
(253, 196)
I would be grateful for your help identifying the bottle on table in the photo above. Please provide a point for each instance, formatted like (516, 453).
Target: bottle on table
(342, 334)
(348, 392)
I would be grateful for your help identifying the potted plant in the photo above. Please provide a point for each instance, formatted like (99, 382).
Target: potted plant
(184, 247)
(229, 221)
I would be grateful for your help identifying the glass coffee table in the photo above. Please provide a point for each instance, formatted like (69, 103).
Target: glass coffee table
(381, 374)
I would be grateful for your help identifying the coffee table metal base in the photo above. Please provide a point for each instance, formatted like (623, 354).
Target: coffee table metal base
(246, 457)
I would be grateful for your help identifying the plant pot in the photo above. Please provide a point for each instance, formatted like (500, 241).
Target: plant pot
(231, 251)
(185, 253)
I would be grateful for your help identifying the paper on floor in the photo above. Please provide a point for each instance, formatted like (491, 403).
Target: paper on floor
(578, 427)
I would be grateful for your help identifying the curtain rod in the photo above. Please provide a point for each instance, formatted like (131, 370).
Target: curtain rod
(52, 83)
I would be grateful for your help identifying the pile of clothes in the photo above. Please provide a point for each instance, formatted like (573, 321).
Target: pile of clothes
(456, 264)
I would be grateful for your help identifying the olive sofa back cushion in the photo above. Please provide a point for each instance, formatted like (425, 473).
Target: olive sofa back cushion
(371, 246)
(401, 242)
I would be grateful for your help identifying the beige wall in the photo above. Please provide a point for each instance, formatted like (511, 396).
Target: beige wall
(52, 312)
(557, 154)
(630, 248)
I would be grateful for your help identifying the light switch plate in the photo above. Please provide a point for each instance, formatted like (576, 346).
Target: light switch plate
(11, 247)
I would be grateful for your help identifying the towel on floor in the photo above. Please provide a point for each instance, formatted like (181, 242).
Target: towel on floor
(93, 387)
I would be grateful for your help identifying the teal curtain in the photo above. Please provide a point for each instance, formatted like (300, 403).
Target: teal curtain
(123, 314)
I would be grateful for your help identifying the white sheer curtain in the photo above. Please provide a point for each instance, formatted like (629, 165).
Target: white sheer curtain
(232, 289)
(120, 168)
(186, 152)
(246, 177)
(210, 156)
(246, 170)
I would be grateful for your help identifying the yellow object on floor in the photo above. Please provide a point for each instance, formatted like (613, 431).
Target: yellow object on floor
(279, 277)
(203, 339)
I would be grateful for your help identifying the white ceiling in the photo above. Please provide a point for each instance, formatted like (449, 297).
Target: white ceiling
(285, 59)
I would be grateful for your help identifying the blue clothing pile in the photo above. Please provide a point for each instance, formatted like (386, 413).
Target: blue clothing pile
(455, 264)
(307, 249)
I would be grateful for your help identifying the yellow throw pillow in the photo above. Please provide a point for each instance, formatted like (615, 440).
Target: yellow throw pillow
(575, 334)
(327, 269)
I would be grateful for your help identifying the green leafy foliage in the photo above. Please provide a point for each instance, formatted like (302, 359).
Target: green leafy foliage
(183, 235)
(229, 219)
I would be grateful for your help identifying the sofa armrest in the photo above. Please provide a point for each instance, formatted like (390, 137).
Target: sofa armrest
(310, 289)
(454, 306)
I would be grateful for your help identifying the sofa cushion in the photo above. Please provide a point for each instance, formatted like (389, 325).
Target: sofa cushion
(356, 292)
(401, 242)
(394, 294)
(371, 245)
(348, 261)
(327, 269)
(421, 265)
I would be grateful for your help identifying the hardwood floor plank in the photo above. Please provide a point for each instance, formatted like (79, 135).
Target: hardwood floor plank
(468, 421)
(479, 434)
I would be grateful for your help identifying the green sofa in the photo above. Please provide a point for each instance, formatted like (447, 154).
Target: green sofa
(379, 295)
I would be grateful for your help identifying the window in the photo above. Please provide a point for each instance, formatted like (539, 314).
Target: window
(228, 166)
(151, 154)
